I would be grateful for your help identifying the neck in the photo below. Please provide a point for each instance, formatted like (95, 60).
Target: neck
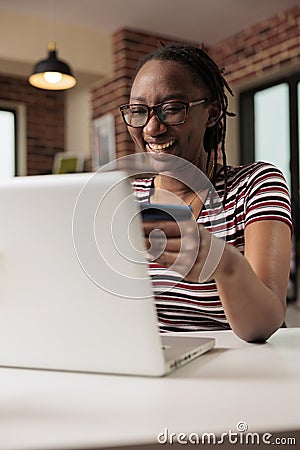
(171, 190)
(168, 189)
(186, 179)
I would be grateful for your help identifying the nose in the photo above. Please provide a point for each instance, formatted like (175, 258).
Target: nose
(154, 127)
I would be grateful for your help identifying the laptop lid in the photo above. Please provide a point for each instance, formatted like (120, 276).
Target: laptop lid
(74, 288)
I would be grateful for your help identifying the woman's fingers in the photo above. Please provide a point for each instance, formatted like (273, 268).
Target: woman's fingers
(173, 245)
(170, 228)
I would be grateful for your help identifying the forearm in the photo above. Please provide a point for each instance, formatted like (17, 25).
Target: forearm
(252, 288)
(253, 310)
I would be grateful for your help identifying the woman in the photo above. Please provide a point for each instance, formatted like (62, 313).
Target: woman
(178, 107)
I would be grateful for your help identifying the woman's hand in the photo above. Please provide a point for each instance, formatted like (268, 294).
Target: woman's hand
(186, 247)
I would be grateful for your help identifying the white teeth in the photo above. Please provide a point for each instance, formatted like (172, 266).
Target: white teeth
(159, 147)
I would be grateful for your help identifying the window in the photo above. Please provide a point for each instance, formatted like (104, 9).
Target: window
(270, 131)
(271, 127)
(13, 139)
(8, 154)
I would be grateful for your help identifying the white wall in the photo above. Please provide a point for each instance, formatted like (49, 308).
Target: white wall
(24, 41)
(78, 120)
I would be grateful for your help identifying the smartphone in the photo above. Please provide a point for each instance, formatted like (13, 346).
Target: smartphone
(155, 212)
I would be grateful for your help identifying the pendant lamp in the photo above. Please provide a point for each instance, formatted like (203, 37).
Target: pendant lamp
(52, 73)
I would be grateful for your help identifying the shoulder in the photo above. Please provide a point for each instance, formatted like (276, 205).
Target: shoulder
(259, 168)
(253, 174)
(264, 192)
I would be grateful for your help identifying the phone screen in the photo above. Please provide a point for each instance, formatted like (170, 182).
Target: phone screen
(155, 212)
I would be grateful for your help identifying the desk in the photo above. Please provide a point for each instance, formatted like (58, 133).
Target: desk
(258, 384)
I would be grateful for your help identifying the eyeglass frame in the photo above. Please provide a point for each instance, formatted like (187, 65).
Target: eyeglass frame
(153, 108)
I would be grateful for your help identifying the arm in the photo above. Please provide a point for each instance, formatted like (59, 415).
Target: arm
(253, 287)
(264, 270)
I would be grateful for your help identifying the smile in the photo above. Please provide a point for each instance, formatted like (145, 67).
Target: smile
(160, 147)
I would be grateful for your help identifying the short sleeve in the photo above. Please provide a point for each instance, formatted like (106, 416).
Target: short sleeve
(267, 195)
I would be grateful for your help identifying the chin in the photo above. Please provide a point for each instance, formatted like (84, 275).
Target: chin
(167, 162)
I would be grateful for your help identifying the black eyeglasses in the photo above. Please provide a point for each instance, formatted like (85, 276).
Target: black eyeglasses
(137, 115)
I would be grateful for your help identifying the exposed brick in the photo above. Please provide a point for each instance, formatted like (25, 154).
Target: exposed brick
(45, 121)
(129, 47)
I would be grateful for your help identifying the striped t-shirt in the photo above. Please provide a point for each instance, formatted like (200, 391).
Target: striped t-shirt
(255, 192)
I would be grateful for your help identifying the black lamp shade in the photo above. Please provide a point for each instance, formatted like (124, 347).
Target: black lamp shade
(52, 73)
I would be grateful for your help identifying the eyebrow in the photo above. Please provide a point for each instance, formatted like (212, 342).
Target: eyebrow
(167, 98)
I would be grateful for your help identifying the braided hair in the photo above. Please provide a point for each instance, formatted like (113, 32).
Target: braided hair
(203, 70)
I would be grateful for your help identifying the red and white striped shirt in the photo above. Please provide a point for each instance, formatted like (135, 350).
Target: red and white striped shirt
(257, 191)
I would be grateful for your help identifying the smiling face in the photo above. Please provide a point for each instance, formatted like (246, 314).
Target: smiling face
(159, 81)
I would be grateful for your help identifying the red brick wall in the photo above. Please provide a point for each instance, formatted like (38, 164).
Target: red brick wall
(44, 120)
(129, 47)
(266, 46)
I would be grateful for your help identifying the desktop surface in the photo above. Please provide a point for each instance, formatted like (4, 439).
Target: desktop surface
(257, 385)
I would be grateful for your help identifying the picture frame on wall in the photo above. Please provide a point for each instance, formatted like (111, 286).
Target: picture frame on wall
(104, 144)
(65, 162)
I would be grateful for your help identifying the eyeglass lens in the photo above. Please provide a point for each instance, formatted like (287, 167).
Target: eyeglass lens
(172, 113)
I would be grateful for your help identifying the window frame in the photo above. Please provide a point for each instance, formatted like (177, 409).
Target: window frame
(247, 142)
(20, 111)
(16, 152)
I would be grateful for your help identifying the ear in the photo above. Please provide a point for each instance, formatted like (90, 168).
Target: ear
(214, 113)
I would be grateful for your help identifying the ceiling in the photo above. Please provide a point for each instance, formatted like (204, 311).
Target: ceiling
(207, 21)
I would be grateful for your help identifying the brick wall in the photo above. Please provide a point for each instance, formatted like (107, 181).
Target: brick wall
(44, 120)
(264, 47)
(269, 45)
(129, 47)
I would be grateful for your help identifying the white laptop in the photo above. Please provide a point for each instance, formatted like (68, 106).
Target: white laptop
(74, 288)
